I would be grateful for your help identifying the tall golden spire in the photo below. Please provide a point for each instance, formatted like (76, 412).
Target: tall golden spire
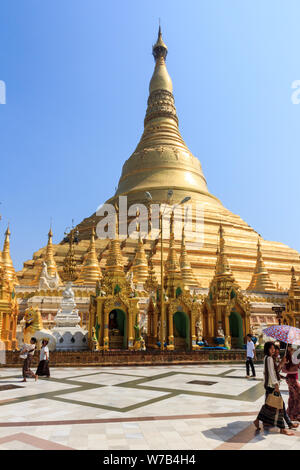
(295, 286)
(222, 264)
(140, 265)
(8, 266)
(114, 260)
(49, 258)
(151, 283)
(185, 266)
(70, 265)
(114, 278)
(91, 272)
(260, 281)
(173, 278)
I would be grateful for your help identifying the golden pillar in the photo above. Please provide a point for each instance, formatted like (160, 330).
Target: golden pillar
(209, 325)
(155, 324)
(106, 331)
(227, 325)
(246, 324)
(130, 337)
(170, 347)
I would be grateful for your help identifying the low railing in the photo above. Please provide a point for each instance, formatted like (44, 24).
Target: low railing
(125, 357)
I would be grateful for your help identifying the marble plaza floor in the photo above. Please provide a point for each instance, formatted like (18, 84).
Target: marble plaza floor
(151, 408)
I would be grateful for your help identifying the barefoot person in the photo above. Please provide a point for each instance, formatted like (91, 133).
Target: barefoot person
(271, 417)
(27, 354)
(43, 367)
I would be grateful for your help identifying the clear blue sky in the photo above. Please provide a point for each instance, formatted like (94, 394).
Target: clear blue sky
(77, 75)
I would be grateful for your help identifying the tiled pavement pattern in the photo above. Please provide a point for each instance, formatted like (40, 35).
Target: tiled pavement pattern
(151, 408)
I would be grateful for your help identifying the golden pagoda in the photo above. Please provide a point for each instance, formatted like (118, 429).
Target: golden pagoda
(260, 281)
(91, 272)
(162, 161)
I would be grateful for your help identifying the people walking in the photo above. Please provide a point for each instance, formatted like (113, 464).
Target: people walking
(271, 413)
(251, 354)
(291, 371)
(27, 354)
(43, 367)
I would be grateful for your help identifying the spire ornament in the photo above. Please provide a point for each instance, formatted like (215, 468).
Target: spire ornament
(159, 49)
(70, 269)
(49, 259)
(173, 277)
(140, 265)
(91, 272)
(222, 265)
(185, 266)
(7, 263)
(261, 281)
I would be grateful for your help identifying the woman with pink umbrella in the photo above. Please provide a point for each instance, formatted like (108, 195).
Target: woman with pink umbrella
(291, 370)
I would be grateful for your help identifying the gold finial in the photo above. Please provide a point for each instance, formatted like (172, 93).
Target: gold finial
(159, 49)
(161, 80)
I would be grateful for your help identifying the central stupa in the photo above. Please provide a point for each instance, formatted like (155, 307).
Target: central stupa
(162, 161)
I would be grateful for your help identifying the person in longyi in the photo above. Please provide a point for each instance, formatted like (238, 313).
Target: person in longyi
(271, 413)
(280, 364)
(291, 370)
(27, 353)
(43, 367)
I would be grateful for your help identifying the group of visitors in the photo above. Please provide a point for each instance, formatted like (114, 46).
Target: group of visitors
(274, 413)
(27, 354)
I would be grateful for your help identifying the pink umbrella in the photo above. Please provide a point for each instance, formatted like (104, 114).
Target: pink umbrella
(285, 333)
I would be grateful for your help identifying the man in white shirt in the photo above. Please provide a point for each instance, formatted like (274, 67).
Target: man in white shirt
(251, 354)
